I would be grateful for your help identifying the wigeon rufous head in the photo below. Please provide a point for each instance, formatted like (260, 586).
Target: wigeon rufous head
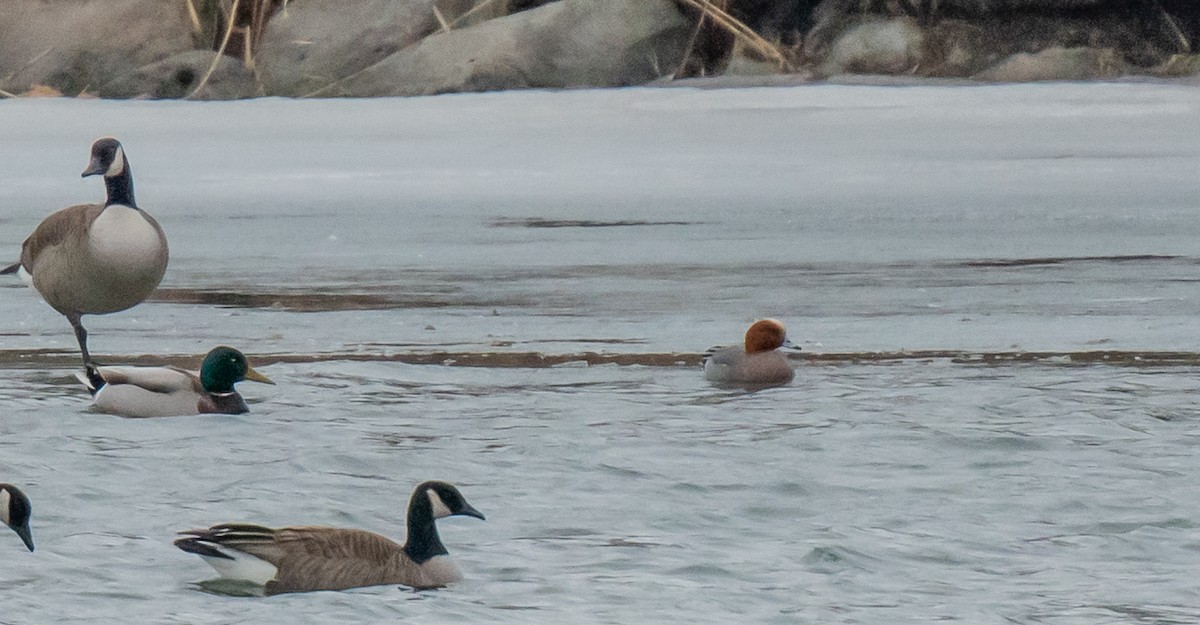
(766, 335)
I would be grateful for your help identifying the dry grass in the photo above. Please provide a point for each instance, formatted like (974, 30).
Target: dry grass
(220, 50)
(742, 33)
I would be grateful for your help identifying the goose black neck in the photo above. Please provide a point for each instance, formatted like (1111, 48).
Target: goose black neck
(120, 187)
(423, 542)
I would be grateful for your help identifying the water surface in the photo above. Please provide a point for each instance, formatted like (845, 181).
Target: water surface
(992, 422)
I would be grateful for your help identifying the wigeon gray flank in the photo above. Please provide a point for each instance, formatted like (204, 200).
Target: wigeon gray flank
(757, 363)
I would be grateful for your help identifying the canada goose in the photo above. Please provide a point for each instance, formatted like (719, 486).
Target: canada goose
(171, 391)
(15, 511)
(93, 259)
(757, 363)
(300, 559)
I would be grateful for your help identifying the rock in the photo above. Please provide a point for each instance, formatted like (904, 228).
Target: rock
(745, 63)
(1057, 64)
(569, 43)
(959, 49)
(179, 75)
(314, 43)
(876, 46)
(78, 45)
(1180, 65)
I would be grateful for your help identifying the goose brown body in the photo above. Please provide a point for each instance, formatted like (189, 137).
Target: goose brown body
(306, 558)
(73, 279)
(93, 259)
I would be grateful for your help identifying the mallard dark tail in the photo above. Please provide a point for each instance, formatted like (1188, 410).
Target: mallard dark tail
(91, 379)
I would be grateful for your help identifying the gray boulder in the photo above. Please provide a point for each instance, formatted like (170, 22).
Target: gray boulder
(876, 47)
(1057, 64)
(180, 75)
(313, 43)
(569, 43)
(78, 45)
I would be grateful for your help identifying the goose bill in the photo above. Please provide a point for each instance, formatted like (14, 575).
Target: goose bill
(25, 534)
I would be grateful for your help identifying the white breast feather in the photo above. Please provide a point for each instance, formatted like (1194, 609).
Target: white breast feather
(25, 276)
(122, 236)
(439, 571)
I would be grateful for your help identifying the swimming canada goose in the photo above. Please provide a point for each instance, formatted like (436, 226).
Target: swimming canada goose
(15, 511)
(93, 259)
(171, 391)
(757, 362)
(300, 559)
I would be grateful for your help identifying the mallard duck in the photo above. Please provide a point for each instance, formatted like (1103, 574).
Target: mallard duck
(171, 391)
(757, 363)
(300, 559)
(93, 259)
(15, 511)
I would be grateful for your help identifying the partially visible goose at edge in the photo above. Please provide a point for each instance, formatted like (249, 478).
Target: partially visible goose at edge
(93, 259)
(171, 391)
(301, 559)
(756, 363)
(15, 511)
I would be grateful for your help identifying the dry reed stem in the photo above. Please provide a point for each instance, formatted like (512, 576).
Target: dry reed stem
(475, 8)
(192, 13)
(437, 14)
(691, 46)
(742, 32)
(1180, 38)
(220, 52)
(258, 26)
(28, 63)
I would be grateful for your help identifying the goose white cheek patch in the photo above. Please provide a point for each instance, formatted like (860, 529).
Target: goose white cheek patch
(118, 164)
(440, 509)
(5, 499)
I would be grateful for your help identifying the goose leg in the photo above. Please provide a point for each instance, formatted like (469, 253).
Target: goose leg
(81, 336)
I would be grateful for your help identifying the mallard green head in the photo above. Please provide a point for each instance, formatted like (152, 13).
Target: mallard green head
(225, 366)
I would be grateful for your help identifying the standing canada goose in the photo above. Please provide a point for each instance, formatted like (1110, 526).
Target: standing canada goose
(171, 391)
(757, 363)
(300, 559)
(93, 259)
(15, 511)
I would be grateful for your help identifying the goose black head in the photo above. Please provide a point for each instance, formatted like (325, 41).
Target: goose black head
(108, 159)
(15, 511)
(444, 500)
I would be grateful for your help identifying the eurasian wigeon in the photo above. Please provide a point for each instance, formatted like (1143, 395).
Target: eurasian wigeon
(758, 363)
